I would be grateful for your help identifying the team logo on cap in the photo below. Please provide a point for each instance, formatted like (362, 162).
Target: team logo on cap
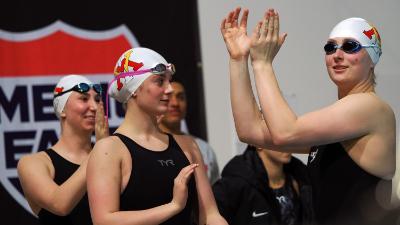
(124, 67)
(371, 33)
(58, 90)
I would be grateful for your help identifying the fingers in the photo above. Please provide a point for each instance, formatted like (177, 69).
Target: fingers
(101, 123)
(243, 21)
(99, 116)
(235, 17)
(271, 24)
(282, 39)
(229, 19)
(159, 118)
(222, 27)
(100, 110)
(256, 32)
(226, 22)
(265, 24)
(275, 25)
(232, 19)
(106, 125)
(185, 173)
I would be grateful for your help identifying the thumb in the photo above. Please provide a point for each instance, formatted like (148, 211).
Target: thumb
(282, 39)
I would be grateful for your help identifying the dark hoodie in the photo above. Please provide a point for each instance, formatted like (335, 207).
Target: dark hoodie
(244, 198)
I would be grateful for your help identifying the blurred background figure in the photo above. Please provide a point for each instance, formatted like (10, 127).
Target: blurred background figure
(172, 122)
(264, 187)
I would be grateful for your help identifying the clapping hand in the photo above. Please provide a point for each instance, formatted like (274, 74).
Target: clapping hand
(101, 125)
(235, 34)
(265, 40)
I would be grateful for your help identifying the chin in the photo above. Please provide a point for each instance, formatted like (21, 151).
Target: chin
(173, 119)
(88, 127)
(160, 112)
(286, 160)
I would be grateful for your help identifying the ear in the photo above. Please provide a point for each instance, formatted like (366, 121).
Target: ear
(63, 114)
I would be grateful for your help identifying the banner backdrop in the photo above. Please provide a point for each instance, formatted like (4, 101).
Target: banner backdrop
(42, 41)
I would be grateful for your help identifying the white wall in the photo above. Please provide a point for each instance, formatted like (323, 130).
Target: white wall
(300, 65)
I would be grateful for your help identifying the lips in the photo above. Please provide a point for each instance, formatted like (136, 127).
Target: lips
(91, 118)
(174, 112)
(339, 67)
(165, 100)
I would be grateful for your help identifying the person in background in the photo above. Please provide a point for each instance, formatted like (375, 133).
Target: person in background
(171, 122)
(54, 180)
(351, 143)
(263, 186)
(141, 175)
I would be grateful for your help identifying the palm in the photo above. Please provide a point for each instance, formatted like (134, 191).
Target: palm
(235, 34)
(237, 42)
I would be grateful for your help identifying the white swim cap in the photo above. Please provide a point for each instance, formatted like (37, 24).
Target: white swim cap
(362, 31)
(64, 84)
(135, 59)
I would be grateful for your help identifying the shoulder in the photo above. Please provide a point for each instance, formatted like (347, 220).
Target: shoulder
(367, 107)
(188, 145)
(203, 144)
(185, 141)
(206, 150)
(200, 141)
(110, 146)
(368, 101)
(34, 161)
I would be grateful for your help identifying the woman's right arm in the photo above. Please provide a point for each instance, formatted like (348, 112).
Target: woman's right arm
(42, 192)
(104, 177)
(248, 120)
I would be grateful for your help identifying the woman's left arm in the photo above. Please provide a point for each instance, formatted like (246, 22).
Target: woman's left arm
(208, 210)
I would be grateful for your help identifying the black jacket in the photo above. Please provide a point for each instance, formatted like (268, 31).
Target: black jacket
(244, 198)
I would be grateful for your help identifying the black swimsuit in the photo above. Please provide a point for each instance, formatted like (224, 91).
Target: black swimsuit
(80, 215)
(344, 192)
(152, 179)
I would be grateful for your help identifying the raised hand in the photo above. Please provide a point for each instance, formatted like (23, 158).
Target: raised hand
(265, 40)
(235, 34)
(101, 127)
(180, 192)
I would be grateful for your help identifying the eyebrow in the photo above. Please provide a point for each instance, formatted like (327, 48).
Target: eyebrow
(164, 75)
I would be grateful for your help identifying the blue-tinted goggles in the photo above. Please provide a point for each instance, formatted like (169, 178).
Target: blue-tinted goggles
(81, 88)
(349, 46)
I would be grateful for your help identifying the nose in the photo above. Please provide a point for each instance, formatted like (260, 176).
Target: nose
(338, 54)
(93, 104)
(169, 89)
(173, 101)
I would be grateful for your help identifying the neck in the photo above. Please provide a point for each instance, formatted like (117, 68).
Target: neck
(362, 87)
(173, 128)
(358, 89)
(138, 122)
(73, 145)
(274, 169)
